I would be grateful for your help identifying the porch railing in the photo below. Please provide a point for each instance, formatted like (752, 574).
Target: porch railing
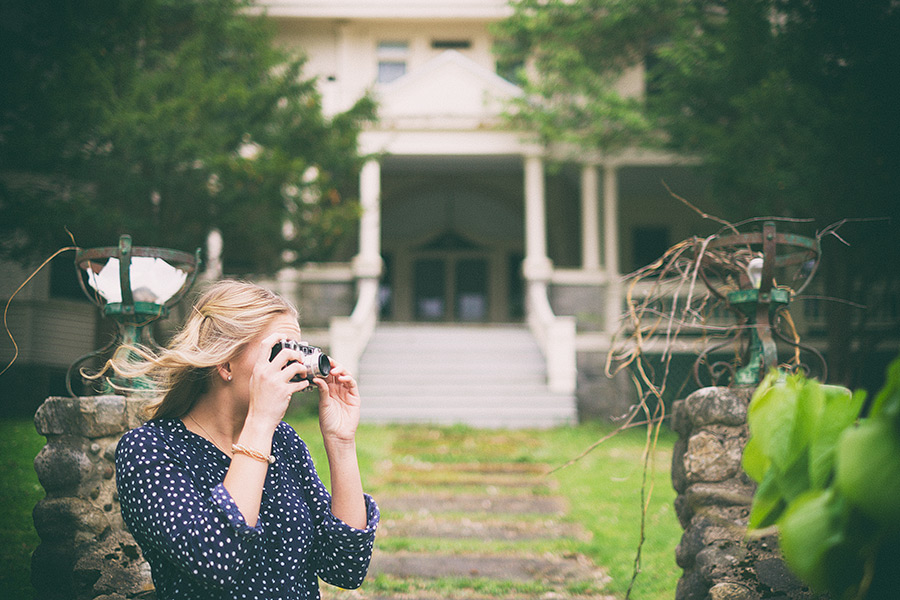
(350, 335)
(556, 337)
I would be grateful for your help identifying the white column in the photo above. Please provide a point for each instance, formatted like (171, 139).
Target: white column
(349, 335)
(611, 247)
(537, 266)
(590, 219)
(555, 335)
(344, 67)
(368, 262)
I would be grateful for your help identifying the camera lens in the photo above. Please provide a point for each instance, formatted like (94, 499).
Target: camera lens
(324, 365)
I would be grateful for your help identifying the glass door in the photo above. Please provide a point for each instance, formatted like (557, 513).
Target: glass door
(471, 289)
(430, 289)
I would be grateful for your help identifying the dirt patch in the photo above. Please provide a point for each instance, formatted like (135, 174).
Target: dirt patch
(451, 478)
(549, 569)
(537, 469)
(431, 526)
(472, 504)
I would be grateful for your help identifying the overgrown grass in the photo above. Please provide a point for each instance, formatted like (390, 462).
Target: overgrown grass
(603, 492)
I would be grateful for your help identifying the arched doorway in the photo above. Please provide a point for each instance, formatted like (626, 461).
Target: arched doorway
(451, 280)
(453, 253)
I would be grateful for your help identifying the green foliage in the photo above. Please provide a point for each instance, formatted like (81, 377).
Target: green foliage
(577, 52)
(166, 119)
(829, 481)
(790, 104)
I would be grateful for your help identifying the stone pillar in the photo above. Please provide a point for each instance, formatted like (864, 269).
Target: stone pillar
(85, 551)
(713, 505)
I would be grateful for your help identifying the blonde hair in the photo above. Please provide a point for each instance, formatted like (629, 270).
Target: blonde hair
(222, 321)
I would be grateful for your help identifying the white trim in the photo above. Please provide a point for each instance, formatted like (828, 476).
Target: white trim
(387, 9)
(578, 277)
(450, 57)
(447, 143)
(326, 272)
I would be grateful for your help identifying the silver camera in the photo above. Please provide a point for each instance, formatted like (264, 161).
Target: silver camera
(316, 362)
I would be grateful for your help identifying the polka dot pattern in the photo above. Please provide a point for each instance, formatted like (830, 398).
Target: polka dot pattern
(197, 542)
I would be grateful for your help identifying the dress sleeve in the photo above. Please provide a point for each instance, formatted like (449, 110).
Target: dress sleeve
(342, 553)
(202, 532)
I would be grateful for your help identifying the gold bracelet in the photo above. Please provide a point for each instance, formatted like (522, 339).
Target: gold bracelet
(256, 454)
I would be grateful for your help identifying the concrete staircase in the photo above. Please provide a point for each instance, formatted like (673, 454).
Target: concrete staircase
(477, 375)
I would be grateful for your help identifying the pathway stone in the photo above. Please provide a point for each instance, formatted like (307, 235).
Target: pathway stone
(489, 519)
(449, 502)
(447, 527)
(547, 569)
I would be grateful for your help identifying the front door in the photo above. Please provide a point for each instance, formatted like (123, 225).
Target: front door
(451, 287)
(470, 291)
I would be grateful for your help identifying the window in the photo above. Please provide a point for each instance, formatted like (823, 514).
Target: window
(649, 244)
(392, 56)
(451, 44)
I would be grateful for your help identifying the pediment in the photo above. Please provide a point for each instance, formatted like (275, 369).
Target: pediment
(450, 86)
(449, 240)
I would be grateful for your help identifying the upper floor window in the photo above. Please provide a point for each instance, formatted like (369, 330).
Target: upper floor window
(392, 57)
(451, 44)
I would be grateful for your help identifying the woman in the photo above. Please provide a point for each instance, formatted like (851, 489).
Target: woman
(219, 492)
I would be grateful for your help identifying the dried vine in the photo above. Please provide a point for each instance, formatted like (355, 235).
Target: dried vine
(665, 302)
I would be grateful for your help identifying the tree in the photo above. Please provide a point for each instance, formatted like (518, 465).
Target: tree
(792, 104)
(166, 119)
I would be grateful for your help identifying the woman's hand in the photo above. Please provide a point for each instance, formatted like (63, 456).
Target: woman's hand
(270, 385)
(338, 418)
(338, 405)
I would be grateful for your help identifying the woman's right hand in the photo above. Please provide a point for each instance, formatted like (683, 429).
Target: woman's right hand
(270, 386)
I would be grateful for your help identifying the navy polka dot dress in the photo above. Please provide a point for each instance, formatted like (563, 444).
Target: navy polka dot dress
(196, 540)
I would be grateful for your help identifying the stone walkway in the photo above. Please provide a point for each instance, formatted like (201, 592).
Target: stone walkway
(453, 528)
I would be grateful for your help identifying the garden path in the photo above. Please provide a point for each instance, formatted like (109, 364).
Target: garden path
(459, 520)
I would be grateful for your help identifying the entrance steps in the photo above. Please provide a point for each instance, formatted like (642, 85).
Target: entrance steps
(478, 375)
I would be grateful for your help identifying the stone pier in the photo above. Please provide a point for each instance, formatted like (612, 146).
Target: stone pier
(719, 560)
(85, 551)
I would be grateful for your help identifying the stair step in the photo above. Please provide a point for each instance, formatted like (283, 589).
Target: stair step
(487, 376)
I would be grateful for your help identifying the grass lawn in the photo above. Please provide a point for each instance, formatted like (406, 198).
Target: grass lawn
(19, 492)
(603, 491)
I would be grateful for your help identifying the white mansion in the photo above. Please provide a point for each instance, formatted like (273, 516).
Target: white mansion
(468, 228)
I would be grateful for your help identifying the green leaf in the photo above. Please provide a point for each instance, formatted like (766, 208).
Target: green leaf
(840, 410)
(887, 401)
(771, 418)
(768, 502)
(809, 529)
(755, 461)
(868, 470)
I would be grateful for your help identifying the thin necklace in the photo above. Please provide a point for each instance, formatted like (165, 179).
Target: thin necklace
(208, 434)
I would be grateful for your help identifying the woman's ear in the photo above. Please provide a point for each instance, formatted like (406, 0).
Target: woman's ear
(224, 371)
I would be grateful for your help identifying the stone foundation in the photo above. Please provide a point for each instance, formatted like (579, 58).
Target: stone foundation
(719, 560)
(85, 551)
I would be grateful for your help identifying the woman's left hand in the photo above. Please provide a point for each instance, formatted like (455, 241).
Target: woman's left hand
(339, 404)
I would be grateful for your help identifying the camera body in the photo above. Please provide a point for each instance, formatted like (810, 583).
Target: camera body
(316, 362)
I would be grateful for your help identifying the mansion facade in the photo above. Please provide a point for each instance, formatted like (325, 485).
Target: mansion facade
(464, 219)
